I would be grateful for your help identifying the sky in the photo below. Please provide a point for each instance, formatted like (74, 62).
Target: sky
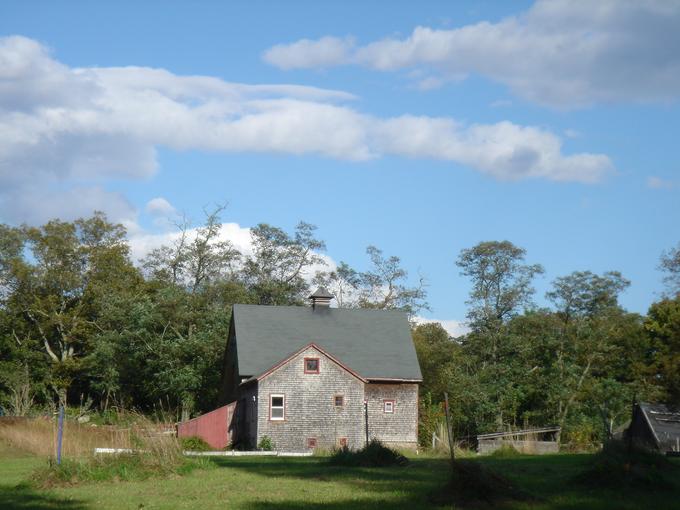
(421, 128)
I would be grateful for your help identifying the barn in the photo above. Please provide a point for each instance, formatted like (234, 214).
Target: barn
(309, 377)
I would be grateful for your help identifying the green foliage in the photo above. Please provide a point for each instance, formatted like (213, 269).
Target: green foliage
(472, 484)
(194, 444)
(374, 454)
(266, 444)
(505, 451)
(617, 466)
(110, 468)
(670, 265)
(663, 327)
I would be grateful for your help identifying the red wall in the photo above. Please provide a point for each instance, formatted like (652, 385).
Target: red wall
(212, 427)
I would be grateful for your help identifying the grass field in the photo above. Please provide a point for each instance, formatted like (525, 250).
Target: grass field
(270, 483)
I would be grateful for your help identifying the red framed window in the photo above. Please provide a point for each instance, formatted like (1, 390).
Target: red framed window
(343, 442)
(311, 442)
(339, 400)
(388, 406)
(311, 365)
(277, 407)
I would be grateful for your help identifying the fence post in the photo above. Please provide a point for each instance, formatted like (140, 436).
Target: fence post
(448, 428)
(60, 432)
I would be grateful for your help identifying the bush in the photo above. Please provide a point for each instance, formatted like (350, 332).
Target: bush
(617, 467)
(266, 444)
(472, 484)
(112, 467)
(374, 454)
(195, 444)
(505, 451)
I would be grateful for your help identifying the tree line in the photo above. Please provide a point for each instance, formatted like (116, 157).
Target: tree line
(578, 363)
(80, 322)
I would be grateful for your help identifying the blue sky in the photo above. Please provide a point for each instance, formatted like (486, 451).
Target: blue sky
(421, 128)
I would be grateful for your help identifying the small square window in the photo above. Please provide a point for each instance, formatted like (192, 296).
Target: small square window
(339, 400)
(343, 442)
(311, 442)
(311, 365)
(388, 406)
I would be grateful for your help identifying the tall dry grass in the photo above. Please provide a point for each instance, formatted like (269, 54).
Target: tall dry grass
(39, 437)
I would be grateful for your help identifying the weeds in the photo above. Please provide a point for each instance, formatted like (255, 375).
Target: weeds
(194, 444)
(157, 451)
(616, 466)
(111, 468)
(374, 454)
(473, 485)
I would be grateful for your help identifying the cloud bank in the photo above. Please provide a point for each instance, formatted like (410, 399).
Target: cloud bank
(65, 132)
(560, 53)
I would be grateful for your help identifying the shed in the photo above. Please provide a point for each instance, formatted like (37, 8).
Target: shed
(656, 427)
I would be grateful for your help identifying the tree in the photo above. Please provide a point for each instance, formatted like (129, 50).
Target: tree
(343, 283)
(280, 262)
(670, 264)
(591, 320)
(663, 327)
(195, 257)
(501, 285)
(384, 286)
(56, 283)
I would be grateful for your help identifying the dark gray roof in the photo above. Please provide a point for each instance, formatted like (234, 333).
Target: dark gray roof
(376, 344)
(665, 424)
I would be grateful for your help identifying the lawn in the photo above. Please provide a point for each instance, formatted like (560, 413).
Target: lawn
(279, 483)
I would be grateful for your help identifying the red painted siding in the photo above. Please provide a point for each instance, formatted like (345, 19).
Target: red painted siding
(212, 427)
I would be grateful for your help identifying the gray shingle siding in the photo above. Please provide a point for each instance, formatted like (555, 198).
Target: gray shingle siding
(399, 427)
(310, 411)
(355, 347)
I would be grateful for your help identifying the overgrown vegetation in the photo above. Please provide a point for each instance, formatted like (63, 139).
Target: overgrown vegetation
(195, 444)
(265, 444)
(620, 465)
(374, 454)
(147, 449)
(472, 484)
(123, 467)
(83, 324)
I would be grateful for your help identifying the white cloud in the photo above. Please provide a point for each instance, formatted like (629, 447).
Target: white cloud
(559, 52)
(453, 327)
(659, 183)
(327, 51)
(501, 103)
(64, 129)
(160, 207)
(142, 243)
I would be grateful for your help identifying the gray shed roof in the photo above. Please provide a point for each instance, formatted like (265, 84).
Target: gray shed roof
(665, 425)
(376, 344)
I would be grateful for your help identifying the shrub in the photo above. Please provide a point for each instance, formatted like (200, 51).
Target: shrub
(505, 451)
(266, 444)
(472, 484)
(195, 444)
(374, 454)
(111, 467)
(618, 467)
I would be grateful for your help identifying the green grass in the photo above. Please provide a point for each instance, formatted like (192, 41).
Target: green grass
(271, 483)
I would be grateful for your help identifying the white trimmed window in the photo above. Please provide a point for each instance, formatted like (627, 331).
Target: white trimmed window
(276, 407)
(388, 406)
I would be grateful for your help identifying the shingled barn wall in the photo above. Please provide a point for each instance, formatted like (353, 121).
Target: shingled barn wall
(399, 428)
(309, 406)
